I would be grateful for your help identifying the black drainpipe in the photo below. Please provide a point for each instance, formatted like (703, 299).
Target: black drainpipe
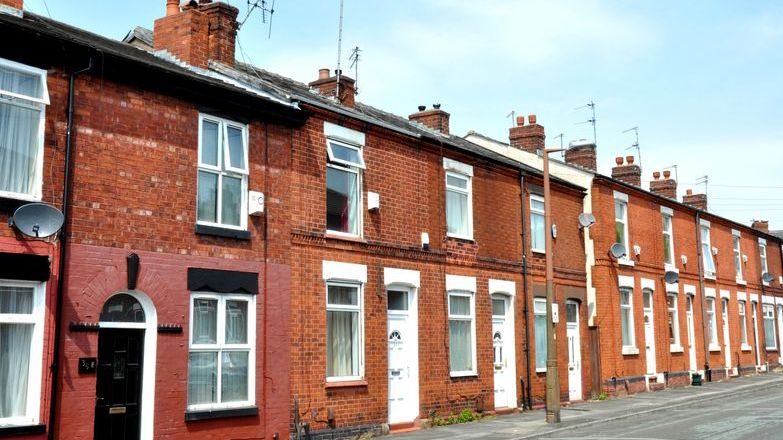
(63, 241)
(528, 398)
(704, 328)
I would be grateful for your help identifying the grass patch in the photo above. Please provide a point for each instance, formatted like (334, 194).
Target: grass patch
(466, 416)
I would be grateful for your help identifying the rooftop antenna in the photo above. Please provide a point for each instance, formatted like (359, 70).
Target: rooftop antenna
(562, 151)
(703, 180)
(592, 120)
(635, 145)
(513, 116)
(339, 51)
(261, 6)
(354, 59)
(676, 176)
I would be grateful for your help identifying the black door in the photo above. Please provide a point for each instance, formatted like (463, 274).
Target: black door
(118, 392)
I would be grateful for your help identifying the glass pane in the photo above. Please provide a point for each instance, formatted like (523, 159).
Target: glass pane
(671, 301)
(17, 300)
(236, 322)
(202, 378)
(647, 300)
(540, 342)
(22, 83)
(236, 150)
(572, 313)
(625, 315)
(342, 344)
(343, 295)
(457, 181)
(537, 231)
(539, 307)
(667, 223)
(619, 233)
(537, 205)
(19, 148)
(460, 346)
(347, 154)
(625, 297)
(234, 374)
(204, 321)
(207, 196)
(672, 333)
(398, 300)
(122, 308)
(15, 343)
(459, 305)
(457, 213)
(619, 210)
(667, 249)
(499, 307)
(342, 201)
(232, 201)
(209, 143)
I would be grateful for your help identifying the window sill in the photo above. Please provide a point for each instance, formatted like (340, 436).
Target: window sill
(708, 276)
(627, 263)
(630, 351)
(344, 237)
(460, 237)
(670, 268)
(8, 431)
(746, 347)
(765, 284)
(771, 348)
(742, 282)
(346, 384)
(538, 251)
(222, 232)
(676, 349)
(714, 349)
(463, 374)
(540, 370)
(192, 416)
(10, 204)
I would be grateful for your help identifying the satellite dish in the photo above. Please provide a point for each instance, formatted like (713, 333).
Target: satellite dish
(767, 277)
(38, 220)
(671, 277)
(586, 220)
(617, 250)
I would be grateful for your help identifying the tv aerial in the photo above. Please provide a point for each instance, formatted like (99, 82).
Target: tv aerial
(261, 5)
(591, 121)
(354, 59)
(635, 145)
(37, 220)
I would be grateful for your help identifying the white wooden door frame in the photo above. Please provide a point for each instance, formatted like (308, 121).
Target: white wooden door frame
(509, 349)
(575, 351)
(691, 332)
(649, 332)
(726, 338)
(412, 351)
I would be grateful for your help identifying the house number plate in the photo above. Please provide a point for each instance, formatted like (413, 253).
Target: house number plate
(87, 365)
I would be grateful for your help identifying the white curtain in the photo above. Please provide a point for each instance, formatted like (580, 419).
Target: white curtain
(342, 356)
(457, 212)
(202, 378)
(232, 200)
(234, 376)
(541, 341)
(15, 341)
(460, 346)
(236, 322)
(353, 203)
(18, 148)
(205, 321)
(537, 226)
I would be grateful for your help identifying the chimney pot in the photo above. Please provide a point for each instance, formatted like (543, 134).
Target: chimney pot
(666, 174)
(689, 192)
(656, 175)
(422, 108)
(629, 160)
(520, 121)
(531, 119)
(323, 73)
(172, 7)
(436, 106)
(618, 160)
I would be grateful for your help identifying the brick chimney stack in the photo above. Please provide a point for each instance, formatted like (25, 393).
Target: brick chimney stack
(13, 4)
(629, 173)
(582, 153)
(435, 119)
(529, 137)
(698, 201)
(327, 86)
(199, 32)
(761, 225)
(666, 187)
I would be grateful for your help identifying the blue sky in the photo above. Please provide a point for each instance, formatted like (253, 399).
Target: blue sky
(701, 79)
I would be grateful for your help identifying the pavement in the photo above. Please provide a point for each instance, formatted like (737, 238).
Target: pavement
(743, 407)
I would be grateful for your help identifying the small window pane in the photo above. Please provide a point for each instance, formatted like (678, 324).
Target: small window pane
(539, 307)
(537, 204)
(459, 305)
(22, 83)
(122, 308)
(456, 181)
(343, 295)
(342, 201)
(202, 378)
(572, 313)
(457, 213)
(647, 299)
(619, 210)
(204, 321)
(16, 300)
(232, 200)
(499, 307)
(236, 322)
(398, 300)
(234, 376)
(236, 150)
(625, 297)
(347, 154)
(209, 143)
(671, 301)
(207, 196)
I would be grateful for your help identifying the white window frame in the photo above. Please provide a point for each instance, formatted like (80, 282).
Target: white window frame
(763, 258)
(667, 214)
(542, 213)
(32, 103)
(712, 324)
(768, 314)
(628, 349)
(537, 313)
(472, 319)
(224, 169)
(675, 345)
(36, 318)
(359, 202)
(220, 346)
(468, 190)
(334, 159)
(622, 198)
(707, 255)
(736, 238)
(358, 308)
(742, 310)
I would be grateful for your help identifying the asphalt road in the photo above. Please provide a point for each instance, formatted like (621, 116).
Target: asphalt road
(757, 415)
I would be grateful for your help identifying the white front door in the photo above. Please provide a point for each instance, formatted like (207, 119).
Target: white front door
(403, 356)
(726, 340)
(755, 306)
(574, 351)
(780, 332)
(649, 331)
(503, 352)
(691, 334)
